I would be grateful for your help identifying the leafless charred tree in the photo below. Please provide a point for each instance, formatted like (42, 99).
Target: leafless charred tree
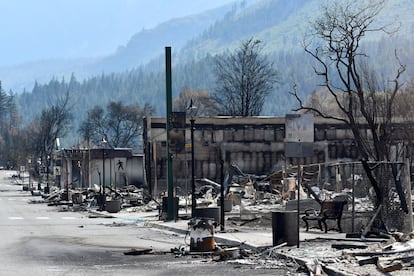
(403, 109)
(245, 78)
(52, 123)
(121, 124)
(363, 101)
(201, 99)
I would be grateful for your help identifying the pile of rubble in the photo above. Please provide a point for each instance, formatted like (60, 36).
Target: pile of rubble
(111, 200)
(355, 255)
(351, 256)
(324, 256)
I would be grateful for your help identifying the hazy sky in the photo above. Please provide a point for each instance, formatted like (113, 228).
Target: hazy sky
(33, 30)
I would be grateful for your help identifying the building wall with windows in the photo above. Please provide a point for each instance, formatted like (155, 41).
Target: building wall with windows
(255, 144)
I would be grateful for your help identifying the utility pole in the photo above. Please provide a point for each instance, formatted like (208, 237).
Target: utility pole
(170, 184)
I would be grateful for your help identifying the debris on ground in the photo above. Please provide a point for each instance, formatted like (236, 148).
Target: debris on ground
(137, 252)
(252, 199)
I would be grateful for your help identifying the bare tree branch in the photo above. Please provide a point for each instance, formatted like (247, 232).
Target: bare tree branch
(360, 101)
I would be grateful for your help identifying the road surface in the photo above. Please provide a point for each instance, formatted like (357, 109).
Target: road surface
(53, 240)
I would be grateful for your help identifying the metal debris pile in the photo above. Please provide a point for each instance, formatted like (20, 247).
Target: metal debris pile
(111, 200)
(239, 255)
(323, 256)
(367, 256)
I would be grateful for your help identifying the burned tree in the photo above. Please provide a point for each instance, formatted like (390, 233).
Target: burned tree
(120, 123)
(9, 120)
(42, 133)
(364, 102)
(245, 78)
(202, 99)
(403, 109)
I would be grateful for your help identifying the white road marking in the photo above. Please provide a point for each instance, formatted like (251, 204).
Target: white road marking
(42, 218)
(54, 269)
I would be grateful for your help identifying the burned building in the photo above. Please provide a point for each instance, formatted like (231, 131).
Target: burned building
(84, 167)
(255, 144)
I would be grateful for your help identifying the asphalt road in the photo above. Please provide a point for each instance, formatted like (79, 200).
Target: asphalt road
(37, 239)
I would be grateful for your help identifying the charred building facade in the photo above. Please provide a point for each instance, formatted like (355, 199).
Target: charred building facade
(255, 144)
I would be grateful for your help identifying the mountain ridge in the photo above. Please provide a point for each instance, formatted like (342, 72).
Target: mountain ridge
(22, 77)
(200, 34)
(194, 62)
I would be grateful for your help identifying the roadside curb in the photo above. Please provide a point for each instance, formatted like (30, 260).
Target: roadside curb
(168, 228)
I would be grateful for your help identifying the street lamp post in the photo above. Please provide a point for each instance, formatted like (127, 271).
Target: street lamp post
(193, 198)
(47, 171)
(29, 163)
(103, 199)
(103, 181)
(191, 110)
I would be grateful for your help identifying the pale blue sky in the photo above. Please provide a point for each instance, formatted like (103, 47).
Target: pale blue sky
(32, 30)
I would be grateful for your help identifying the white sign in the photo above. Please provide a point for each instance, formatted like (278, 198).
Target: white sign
(299, 128)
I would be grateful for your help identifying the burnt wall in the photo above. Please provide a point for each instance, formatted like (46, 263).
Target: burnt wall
(256, 145)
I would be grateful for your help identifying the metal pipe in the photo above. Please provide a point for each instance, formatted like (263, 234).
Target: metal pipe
(353, 197)
(298, 203)
(193, 198)
(103, 199)
(222, 218)
(67, 178)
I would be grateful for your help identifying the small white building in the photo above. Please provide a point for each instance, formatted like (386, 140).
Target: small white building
(83, 167)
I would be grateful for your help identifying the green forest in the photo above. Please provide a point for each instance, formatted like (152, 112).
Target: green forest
(147, 86)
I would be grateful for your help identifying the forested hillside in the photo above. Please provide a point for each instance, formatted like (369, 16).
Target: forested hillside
(145, 45)
(280, 25)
